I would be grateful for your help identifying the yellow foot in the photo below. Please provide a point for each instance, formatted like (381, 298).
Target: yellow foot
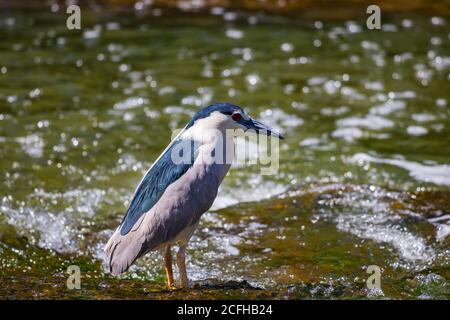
(171, 285)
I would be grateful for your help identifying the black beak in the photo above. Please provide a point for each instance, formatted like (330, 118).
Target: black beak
(260, 128)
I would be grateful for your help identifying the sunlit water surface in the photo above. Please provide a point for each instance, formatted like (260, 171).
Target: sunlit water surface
(84, 113)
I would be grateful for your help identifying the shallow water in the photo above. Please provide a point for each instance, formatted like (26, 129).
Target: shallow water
(365, 115)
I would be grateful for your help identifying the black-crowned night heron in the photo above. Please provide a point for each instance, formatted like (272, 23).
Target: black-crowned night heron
(178, 188)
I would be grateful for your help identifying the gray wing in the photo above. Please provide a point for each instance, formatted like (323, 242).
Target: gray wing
(163, 173)
(180, 207)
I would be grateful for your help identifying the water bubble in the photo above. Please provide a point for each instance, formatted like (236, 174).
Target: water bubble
(111, 26)
(407, 23)
(437, 21)
(332, 86)
(252, 20)
(112, 47)
(423, 74)
(353, 27)
(344, 47)
(128, 116)
(370, 121)
(370, 45)
(441, 102)
(12, 99)
(396, 76)
(217, 11)
(423, 117)
(231, 72)
(314, 81)
(230, 16)
(139, 5)
(234, 34)
(289, 88)
(334, 111)
(299, 60)
(232, 92)
(75, 141)
(309, 142)
(130, 103)
(124, 67)
(287, 47)
(61, 41)
(10, 21)
(436, 41)
(33, 145)
(390, 106)
(253, 79)
(35, 93)
(93, 33)
(416, 130)
(156, 12)
(354, 58)
(54, 7)
(247, 54)
(166, 90)
(43, 124)
(389, 27)
(374, 85)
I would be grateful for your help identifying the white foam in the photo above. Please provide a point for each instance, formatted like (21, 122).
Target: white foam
(279, 120)
(234, 34)
(437, 174)
(33, 145)
(386, 228)
(371, 122)
(255, 190)
(130, 103)
(48, 227)
(349, 134)
(416, 130)
(388, 107)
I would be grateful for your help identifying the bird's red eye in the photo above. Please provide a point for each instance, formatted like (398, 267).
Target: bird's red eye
(236, 116)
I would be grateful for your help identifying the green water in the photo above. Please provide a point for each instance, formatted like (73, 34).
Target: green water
(366, 161)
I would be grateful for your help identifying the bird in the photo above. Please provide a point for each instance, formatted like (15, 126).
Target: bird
(180, 186)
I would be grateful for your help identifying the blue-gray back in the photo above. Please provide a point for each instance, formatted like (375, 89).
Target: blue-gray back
(163, 173)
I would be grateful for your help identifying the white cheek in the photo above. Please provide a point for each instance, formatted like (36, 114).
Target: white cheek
(237, 125)
(215, 121)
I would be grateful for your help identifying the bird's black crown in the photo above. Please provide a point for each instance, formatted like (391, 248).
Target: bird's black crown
(222, 107)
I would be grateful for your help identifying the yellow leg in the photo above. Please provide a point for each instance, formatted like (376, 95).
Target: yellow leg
(169, 270)
(181, 255)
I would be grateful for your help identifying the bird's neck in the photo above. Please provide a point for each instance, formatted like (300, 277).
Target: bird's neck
(214, 147)
(215, 154)
(217, 149)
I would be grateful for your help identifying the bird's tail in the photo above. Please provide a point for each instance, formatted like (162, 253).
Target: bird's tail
(122, 251)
